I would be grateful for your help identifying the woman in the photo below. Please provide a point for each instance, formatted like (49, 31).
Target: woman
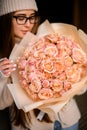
(17, 17)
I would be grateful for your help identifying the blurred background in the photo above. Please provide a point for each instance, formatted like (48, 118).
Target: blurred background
(67, 11)
(71, 12)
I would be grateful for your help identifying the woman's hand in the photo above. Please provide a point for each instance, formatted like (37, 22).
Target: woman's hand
(6, 67)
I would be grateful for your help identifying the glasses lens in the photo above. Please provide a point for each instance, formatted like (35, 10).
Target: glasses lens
(34, 19)
(21, 20)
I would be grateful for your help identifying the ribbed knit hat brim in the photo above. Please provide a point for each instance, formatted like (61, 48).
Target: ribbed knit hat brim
(8, 6)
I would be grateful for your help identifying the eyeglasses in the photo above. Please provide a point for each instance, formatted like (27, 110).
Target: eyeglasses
(21, 20)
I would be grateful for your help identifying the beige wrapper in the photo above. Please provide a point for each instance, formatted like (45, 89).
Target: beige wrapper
(21, 98)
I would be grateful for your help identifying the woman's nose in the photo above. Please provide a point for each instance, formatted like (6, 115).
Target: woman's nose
(27, 23)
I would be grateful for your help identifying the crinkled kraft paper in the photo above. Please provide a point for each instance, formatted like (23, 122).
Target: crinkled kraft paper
(22, 100)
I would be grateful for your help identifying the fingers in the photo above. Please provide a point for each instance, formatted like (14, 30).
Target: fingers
(7, 66)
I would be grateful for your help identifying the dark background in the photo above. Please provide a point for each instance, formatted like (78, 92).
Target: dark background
(66, 11)
(55, 10)
(71, 12)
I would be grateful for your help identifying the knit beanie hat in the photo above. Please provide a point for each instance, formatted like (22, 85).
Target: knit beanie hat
(8, 6)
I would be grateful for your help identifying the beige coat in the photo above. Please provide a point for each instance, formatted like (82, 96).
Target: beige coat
(68, 115)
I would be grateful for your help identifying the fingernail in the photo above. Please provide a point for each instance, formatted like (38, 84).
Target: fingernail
(12, 61)
(14, 69)
(1, 59)
(15, 65)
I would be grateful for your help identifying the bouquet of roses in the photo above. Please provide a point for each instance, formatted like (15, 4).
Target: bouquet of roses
(53, 66)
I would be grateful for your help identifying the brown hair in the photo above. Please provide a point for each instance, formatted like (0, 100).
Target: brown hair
(19, 117)
(6, 35)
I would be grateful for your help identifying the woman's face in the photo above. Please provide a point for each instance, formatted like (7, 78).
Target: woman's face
(20, 25)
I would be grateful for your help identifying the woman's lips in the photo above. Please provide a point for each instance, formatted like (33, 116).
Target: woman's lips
(24, 32)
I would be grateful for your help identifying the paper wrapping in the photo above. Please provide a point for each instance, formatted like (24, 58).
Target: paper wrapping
(21, 98)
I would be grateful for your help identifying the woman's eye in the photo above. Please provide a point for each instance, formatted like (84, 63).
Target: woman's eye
(21, 18)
